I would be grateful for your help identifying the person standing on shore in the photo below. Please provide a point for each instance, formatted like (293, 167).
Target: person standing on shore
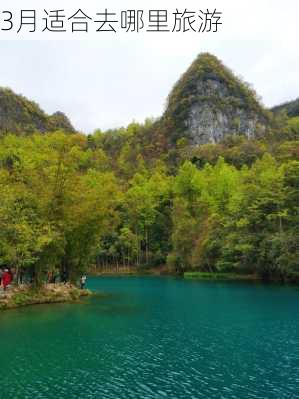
(82, 282)
(6, 278)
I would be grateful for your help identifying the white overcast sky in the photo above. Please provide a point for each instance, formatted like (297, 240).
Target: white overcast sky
(107, 80)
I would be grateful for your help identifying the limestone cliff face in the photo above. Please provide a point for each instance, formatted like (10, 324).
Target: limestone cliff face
(20, 116)
(209, 102)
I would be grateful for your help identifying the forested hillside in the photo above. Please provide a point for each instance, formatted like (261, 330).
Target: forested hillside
(135, 197)
(291, 108)
(20, 116)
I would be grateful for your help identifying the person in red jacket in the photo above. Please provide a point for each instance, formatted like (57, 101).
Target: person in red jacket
(6, 279)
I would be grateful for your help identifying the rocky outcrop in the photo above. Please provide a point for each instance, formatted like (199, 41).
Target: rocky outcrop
(209, 102)
(60, 121)
(24, 295)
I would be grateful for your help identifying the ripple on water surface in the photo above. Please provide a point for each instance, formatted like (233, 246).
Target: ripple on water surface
(156, 338)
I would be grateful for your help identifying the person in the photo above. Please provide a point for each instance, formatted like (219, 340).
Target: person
(64, 277)
(82, 282)
(6, 278)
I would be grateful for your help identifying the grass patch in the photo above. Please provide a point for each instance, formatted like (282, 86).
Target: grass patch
(218, 276)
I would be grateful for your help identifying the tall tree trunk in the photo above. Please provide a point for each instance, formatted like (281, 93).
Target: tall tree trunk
(146, 247)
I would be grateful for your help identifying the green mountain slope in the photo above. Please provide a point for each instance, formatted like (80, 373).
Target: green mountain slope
(22, 116)
(291, 108)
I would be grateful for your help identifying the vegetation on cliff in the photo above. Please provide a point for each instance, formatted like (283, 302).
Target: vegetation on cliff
(208, 82)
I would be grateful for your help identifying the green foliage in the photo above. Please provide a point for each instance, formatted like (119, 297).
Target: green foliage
(230, 220)
(293, 125)
(66, 205)
(21, 116)
(217, 276)
(291, 108)
(52, 214)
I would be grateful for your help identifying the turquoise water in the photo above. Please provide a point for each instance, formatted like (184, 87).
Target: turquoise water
(152, 337)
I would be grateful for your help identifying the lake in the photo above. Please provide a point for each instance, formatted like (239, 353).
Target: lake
(155, 337)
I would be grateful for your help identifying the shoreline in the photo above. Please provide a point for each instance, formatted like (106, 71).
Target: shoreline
(22, 296)
(193, 275)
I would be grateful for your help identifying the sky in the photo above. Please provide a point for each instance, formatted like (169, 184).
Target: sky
(107, 80)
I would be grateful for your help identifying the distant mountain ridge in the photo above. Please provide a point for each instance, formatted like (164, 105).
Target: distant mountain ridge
(208, 103)
(291, 108)
(21, 116)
